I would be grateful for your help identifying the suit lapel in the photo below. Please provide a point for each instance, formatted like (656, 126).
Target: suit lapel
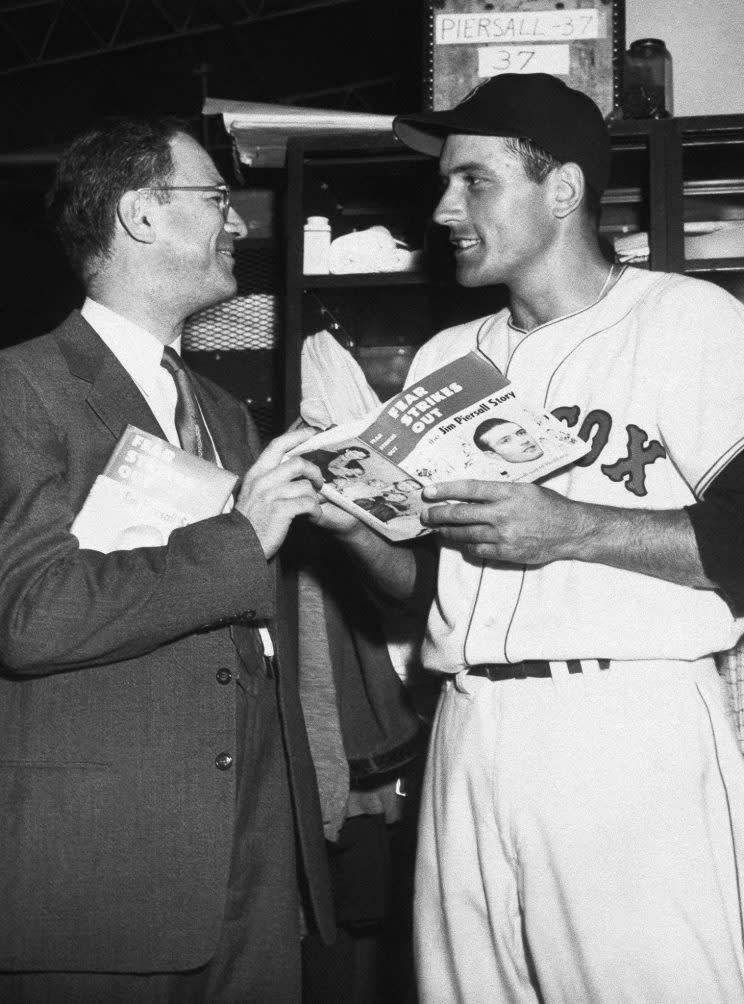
(112, 394)
(117, 402)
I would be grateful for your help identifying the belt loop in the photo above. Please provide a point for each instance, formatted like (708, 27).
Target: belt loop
(559, 671)
(460, 682)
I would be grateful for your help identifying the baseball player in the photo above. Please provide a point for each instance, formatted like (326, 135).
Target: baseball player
(583, 813)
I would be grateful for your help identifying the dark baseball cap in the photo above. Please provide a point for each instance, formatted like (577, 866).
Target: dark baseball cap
(537, 106)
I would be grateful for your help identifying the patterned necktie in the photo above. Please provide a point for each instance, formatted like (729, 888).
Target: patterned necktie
(190, 425)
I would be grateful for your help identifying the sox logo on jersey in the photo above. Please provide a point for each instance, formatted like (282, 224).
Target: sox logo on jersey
(631, 467)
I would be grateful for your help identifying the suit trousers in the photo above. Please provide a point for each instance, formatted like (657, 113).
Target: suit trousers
(257, 958)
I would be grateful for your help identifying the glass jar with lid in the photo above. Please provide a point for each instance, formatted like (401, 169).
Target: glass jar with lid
(647, 84)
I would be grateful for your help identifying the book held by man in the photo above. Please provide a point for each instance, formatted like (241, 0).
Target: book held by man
(147, 489)
(464, 420)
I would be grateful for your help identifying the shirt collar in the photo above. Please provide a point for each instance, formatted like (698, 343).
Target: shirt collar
(137, 349)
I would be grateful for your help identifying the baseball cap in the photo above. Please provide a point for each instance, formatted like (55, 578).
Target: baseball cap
(537, 106)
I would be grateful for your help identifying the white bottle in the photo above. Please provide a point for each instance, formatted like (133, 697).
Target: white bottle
(316, 245)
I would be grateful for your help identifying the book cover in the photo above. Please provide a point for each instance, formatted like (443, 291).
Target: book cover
(147, 489)
(464, 420)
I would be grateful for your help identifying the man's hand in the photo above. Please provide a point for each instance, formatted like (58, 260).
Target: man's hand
(495, 521)
(274, 493)
(335, 519)
(529, 525)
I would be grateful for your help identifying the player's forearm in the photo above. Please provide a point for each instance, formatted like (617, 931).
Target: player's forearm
(389, 570)
(658, 543)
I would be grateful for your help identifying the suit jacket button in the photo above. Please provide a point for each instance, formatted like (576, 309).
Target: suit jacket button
(224, 761)
(223, 675)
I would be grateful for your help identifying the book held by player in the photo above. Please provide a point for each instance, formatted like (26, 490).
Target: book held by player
(464, 420)
(147, 489)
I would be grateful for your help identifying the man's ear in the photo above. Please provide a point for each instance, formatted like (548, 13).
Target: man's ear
(135, 216)
(569, 187)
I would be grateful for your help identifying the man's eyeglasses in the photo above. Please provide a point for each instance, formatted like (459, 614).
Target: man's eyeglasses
(221, 191)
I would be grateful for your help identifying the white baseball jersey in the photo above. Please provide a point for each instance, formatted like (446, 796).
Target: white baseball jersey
(653, 376)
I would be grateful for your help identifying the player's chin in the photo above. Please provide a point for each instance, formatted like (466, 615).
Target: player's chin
(474, 269)
(469, 277)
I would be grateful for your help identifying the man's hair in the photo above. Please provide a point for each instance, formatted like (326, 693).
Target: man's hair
(484, 427)
(538, 163)
(94, 171)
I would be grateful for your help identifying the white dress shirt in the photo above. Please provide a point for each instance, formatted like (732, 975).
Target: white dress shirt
(139, 352)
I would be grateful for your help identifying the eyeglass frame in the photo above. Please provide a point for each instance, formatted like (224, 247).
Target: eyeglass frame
(222, 190)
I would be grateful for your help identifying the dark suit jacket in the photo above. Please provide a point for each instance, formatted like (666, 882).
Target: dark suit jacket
(115, 824)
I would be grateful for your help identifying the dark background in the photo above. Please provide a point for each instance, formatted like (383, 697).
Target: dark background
(64, 63)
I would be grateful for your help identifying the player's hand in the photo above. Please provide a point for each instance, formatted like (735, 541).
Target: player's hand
(494, 521)
(274, 493)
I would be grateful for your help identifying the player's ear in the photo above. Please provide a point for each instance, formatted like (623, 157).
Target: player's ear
(568, 189)
(135, 214)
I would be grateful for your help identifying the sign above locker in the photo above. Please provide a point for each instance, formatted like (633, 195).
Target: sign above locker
(581, 41)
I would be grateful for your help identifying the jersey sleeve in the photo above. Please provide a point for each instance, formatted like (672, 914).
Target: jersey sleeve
(718, 522)
(698, 361)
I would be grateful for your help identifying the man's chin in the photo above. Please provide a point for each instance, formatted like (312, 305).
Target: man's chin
(226, 292)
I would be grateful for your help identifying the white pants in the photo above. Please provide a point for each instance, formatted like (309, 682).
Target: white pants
(580, 841)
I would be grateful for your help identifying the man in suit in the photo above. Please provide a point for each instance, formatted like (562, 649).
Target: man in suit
(157, 798)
